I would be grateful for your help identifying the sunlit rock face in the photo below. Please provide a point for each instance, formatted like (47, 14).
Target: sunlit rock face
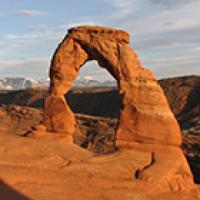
(146, 122)
(145, 116)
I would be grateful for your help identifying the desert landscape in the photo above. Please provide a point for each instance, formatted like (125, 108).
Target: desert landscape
(32, 168)
(101, 143)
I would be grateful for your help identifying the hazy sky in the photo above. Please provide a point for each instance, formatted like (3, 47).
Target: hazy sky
(164, 33)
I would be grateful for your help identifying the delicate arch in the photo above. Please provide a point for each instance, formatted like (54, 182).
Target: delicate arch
(144, 110)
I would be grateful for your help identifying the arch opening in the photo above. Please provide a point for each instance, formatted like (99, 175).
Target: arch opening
(97, 72)
(95, 102)
(94, 92)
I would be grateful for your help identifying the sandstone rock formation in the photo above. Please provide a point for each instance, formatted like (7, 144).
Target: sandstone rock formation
(145, 116)
(146, 122)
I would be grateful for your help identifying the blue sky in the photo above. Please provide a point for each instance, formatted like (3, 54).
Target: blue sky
(164, 33)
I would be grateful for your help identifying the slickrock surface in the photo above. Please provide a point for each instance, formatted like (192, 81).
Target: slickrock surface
(44, 170)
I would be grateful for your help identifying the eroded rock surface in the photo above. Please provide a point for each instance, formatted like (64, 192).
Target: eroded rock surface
(146, 122)
(144, 111)
(44, 170)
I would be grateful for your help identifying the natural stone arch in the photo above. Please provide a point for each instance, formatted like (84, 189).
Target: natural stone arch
(145, 116)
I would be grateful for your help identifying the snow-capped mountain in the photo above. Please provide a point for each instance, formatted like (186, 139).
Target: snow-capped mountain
(91, 83)
(109, 83)
(85, 83)
(19, 83)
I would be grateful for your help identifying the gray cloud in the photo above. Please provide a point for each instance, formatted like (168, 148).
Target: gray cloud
(38, 27)
(173, 4)
(187, 38)
(30, 13)
(93, 70)
(36, 67)
(171, 54)
(123, 8)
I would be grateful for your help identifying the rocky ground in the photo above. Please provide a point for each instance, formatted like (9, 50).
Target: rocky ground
(19, 111)
(38, 169)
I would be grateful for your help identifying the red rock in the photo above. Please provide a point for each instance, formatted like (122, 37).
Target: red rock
(145, 116)
(146, 122)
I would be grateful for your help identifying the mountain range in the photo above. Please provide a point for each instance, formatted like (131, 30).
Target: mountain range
(21, 83)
